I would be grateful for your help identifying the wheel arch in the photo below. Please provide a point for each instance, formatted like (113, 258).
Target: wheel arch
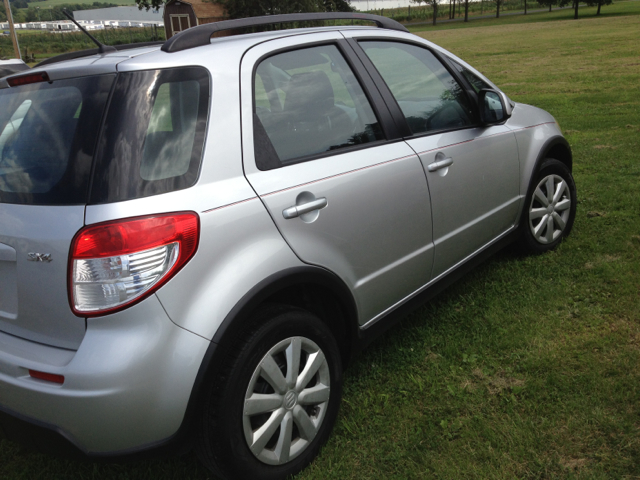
(555, 147)
(558, 148)
(311, 288)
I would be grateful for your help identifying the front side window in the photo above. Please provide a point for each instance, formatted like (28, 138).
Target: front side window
(153, 134)
(476, 82)
(308, 102)
(429, 97)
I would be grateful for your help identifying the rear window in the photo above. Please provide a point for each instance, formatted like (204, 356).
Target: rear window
(48, 134)
(153, 134)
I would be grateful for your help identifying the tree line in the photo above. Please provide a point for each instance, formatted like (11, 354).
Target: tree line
(451, 5)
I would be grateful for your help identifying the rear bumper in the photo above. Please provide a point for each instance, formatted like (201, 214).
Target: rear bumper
(36, 435)
(126, 388)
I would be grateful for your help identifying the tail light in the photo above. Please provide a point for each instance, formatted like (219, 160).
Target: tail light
(116, 264)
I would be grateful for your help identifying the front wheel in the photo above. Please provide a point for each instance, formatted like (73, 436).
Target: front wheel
(550, 208)
(276, 401)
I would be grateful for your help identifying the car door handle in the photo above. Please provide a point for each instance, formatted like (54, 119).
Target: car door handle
(437, 165)
(297, 210)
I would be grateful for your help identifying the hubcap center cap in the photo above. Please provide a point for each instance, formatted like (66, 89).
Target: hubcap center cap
(550, 209)
(290, 400)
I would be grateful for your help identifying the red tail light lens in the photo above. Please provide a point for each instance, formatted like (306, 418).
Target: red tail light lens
(116, 264)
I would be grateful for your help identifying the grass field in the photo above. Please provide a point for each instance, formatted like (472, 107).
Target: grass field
(530, 366)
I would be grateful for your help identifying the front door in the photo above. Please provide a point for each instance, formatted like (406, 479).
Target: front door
(472, 170)
(344, 195)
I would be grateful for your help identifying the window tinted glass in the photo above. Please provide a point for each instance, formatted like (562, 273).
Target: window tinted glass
(153, 134)
(428, 95)
(308, 102)
(172, 127)
(476, 82)
(48, 133)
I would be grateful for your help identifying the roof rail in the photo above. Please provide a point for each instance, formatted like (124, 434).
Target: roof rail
(93, 51)
(201, 35)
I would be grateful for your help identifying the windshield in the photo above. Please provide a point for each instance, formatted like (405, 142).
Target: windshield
(48, 133)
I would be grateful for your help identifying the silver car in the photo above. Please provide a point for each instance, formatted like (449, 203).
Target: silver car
(197, 236)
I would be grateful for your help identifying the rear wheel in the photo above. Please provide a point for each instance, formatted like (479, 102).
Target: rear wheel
(550, 208)
(277, 399)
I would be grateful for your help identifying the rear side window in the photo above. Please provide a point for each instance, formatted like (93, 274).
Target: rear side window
(153, 134)
(48, 133)
(308, 102)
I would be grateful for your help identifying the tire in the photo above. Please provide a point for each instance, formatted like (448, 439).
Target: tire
(548, 217)
(257, 389)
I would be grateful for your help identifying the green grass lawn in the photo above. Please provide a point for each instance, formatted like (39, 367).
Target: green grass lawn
(530, 366)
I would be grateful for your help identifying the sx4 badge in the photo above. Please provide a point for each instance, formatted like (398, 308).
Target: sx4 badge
(39, 257)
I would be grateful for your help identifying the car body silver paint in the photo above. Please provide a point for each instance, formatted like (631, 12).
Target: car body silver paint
(42, 312)
(239, 247)
(381, 316)
(476, 198)
(532, 127)
(17, 351)
(362, 205)
(127, 385)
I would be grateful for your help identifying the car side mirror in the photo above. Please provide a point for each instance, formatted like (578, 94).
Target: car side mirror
(495, 106)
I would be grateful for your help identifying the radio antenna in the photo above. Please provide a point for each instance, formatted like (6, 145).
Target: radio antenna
(102, 48)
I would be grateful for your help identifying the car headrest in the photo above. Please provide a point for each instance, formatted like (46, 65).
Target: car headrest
(309, 95)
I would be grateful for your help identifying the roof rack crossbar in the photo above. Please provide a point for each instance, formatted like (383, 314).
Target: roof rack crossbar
(201, 35)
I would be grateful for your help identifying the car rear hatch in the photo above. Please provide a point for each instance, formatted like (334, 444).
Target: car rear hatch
(48, 134)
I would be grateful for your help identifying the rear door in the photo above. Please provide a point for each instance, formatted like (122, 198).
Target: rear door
(328, 163)
(48, 133)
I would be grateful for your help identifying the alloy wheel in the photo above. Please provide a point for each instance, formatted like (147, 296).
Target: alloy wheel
(549, 209)
(286, 400)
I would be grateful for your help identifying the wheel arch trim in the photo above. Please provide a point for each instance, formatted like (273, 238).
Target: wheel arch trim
(281, 280)
(555, 142)
(241, 313)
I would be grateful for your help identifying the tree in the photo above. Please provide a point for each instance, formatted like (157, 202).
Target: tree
(590, 3)
(574, 3)
(498, 3)
(466, 10)
(599, 3)
(17, 17)
(547, 3)
(433, 3)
